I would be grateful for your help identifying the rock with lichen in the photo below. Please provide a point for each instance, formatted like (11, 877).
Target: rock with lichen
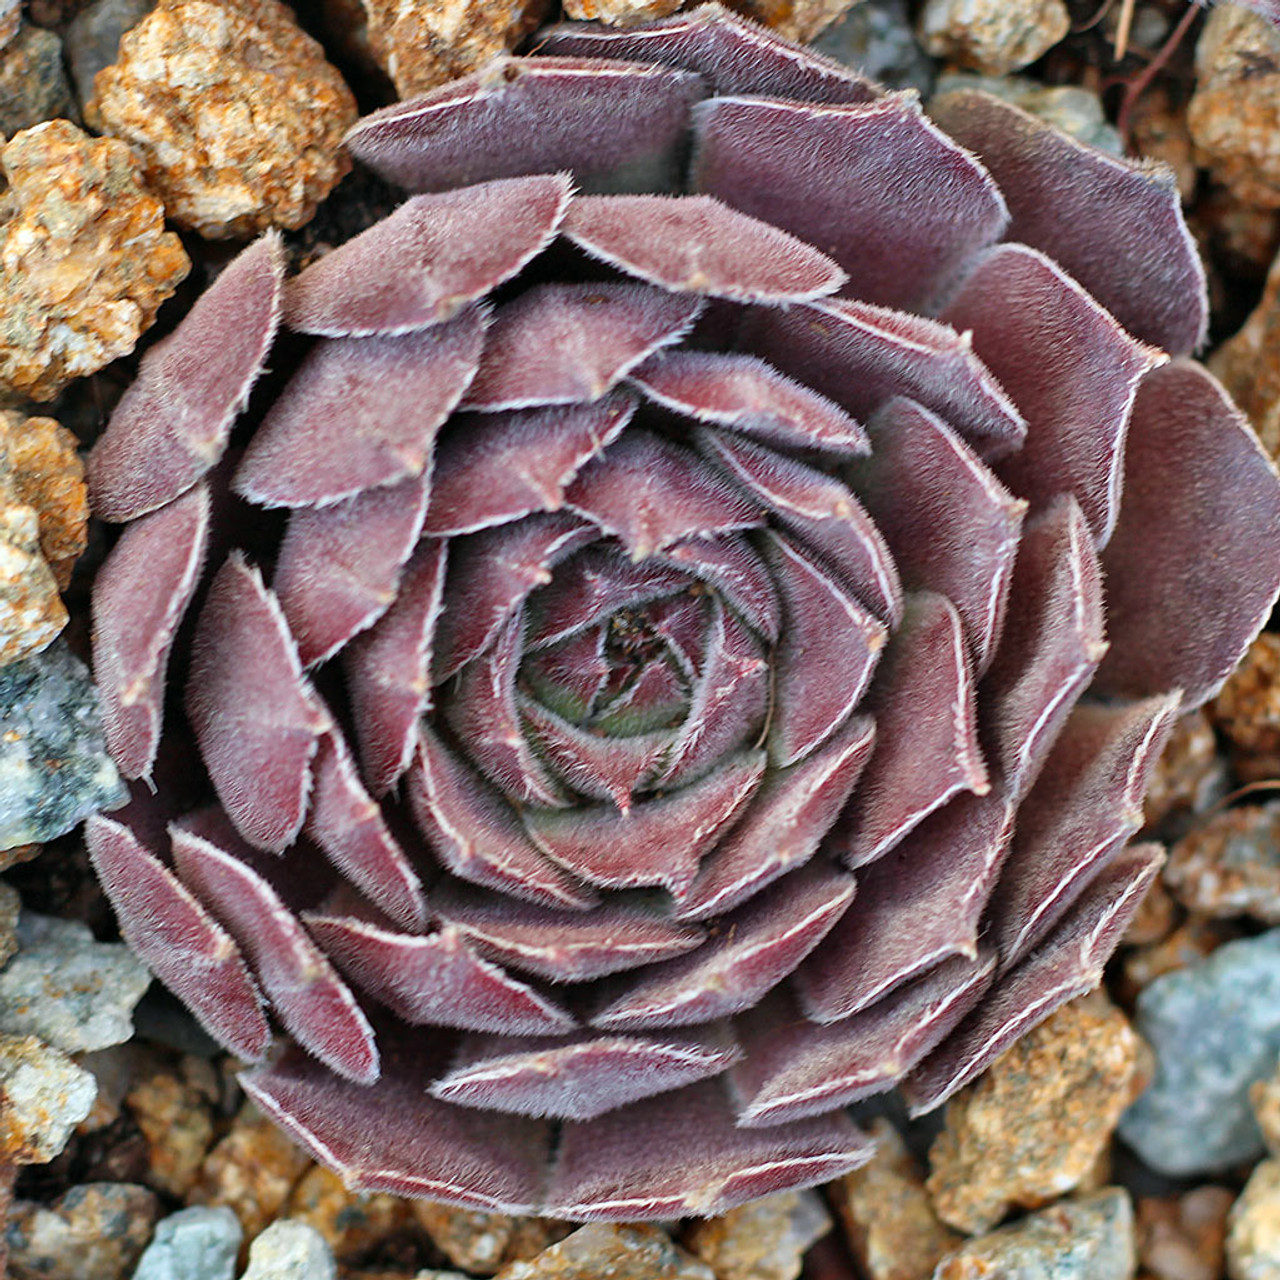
(1229, 865)
(1035, 1124)
(992, 36)
(85, 260)
(33, 83)
(234, 111)
(765, 1239)
(1234, 116)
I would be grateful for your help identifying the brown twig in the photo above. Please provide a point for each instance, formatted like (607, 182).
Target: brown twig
(1138, 85)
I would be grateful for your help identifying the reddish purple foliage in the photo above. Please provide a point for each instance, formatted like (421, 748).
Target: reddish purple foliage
(753, 627)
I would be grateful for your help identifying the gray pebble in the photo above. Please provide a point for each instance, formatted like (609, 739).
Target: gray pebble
(289, 1250)
(193, 1244)
(1087, 1239)
(876, 38)
(33, 85)
(1073, 110)
(54, 766)
(92, 1232)
(93, 38)
(68, 989)
(1215, 1029)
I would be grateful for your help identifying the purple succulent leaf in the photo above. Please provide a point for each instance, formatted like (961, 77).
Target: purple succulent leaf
(1067, 964)
(784, 824)
(360, 413)
(822, 515)
(494, 468)
(338, 568)
(853, 178)
(351, 830)
(862, 356)
(392, 1137)
(427, 260)
(481, 709)
(388, 670)
(828, 648)
(1069, 367)
(617, 126)
(172, 424)
(597, 584)
(1113, 223)
(656, 841)
(814, 1069)
(731, 566)
(1085, 804)
(140, 596)
(474, 832)
(313, 1004)
(569, 676)
(926, 735)
(951, 526)
(577, 1077)
(491, 574)
(178, 940)
(750, 951)
(437, 981)
(255, 717)
(592, 764)
(620, 1166)
(727, 705)
(565, 343)
(1051, 645)
(732, 54)
(695, 244)
(939, 877)
(650, 492)
(549, 944)
(743, 393)
(1212, 565)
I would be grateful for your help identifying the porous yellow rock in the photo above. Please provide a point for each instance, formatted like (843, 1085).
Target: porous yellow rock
(994, 37)
(799, 20)
(236, 115)
(619, 13)
(85, 260)
(424, 43)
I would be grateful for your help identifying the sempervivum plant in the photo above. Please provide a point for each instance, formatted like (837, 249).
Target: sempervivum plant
(736, 547)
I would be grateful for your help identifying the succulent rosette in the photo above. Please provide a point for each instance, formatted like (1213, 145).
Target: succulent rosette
(678, 641)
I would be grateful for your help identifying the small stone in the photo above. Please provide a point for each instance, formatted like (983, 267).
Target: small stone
(1264, 1098)
(1191, 776)
(92, 1232)
(1253, 1229)
(1249, 365)
(251, 1171)
(484, 1242)
(619, 13)
(43, 1096)
(1215, 1029)
(33, 85)
(1182, 1238)
(617, 1252)
(799, 20)
(1234, 115)
(176, 1118)
(992, 36)
(1086, 1239)
(1156, 918)
(93, 38)
(54, 766)
(192, 1244)
(236, 115)
(763, 1240)
(1033, 1125)
(887, 1216)
(1247, 710)
(1067, 107)
(85, 260)
(1230, 865)
(32, 614)
(875, 37)
(351, 1222)
(290, 1251)
(10, 20)
(424, 43)
(70, 990)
